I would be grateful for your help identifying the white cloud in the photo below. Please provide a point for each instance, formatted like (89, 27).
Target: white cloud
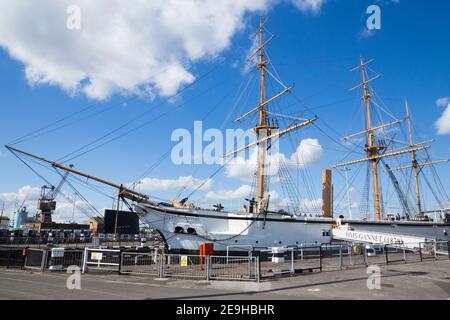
(29, 195)
(443, 102)
(239, 193)
(142, 47)
(120, 44)
(241, 168)
(313, 6)
(25, 193)
(308, 151)
(443, 123)
(155, 184)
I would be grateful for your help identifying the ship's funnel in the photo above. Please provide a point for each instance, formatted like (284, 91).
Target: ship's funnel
(327, 194)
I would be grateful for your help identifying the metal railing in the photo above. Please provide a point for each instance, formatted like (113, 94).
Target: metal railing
(233, 268)
(11, 258)
(45, 242)
(264, 263)
(184, 266)
(140, 263)
(101, 259)
(36, 259)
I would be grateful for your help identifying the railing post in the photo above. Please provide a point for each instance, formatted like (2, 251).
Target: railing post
(259, 265)
(292, 261)
(386, 253)
(448, 249)
(420, 251)
(366, 260)
(44, 260)
(435, 249)
(85, 255)
(161, 265)
(350, 254)
(208, 265)
(320, 258)
(257, 274)
(26, 259)
(404, 253)
(340, 258)
(120, 262)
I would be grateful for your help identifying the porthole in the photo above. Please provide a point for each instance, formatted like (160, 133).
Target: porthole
(179, 229)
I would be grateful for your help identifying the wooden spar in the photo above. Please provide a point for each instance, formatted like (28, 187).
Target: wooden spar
(263, 104)
(390, 154)
(275, 135)
(365, 83)
(373, 129)
(423, 164)
(123, 192)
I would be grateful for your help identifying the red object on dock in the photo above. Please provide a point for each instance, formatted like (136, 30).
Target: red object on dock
(206, 249)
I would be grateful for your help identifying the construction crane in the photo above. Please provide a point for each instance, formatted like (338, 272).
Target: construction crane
(46, 202)
(401, 196)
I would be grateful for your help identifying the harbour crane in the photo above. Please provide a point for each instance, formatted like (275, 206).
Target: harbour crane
(47, 202)
(401, 196)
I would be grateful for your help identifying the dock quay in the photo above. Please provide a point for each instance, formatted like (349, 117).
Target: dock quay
(416, 281)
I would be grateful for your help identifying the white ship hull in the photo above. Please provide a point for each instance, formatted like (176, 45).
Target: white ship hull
(426, 229)
(232, 230)
(186, 228)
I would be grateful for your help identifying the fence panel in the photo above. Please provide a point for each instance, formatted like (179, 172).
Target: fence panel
(36, 259)
(233, 268)
(332, 256)
(294, 260)
(11, 258)
(67, 258)
(442, 250)
(140, 263)
(184, 266)
(101, 259)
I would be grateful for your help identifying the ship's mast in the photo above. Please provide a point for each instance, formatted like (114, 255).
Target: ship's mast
(261, 128)
(265, 131)
(372, 149)
(415, 164)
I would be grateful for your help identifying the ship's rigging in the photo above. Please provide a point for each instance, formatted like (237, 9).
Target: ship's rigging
(267, 131)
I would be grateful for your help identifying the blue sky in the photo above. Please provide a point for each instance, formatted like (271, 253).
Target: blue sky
(315, 49)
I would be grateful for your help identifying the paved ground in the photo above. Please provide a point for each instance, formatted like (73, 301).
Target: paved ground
(427, 280)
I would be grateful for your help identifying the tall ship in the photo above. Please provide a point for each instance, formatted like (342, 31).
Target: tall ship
(183, 225)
